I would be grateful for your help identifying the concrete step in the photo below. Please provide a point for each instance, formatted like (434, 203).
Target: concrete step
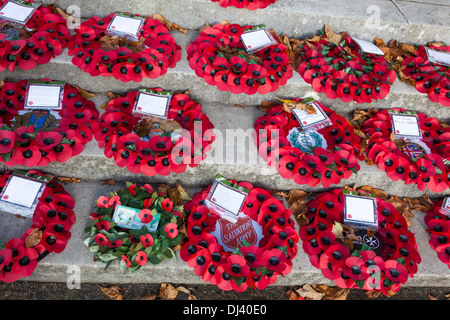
(234, 155)
(77, 260)
(404, 20)
(183, 77)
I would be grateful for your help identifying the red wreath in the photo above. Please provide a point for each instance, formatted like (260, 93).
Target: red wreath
(396, 261)
(49, 232)
(322, 166)
(159, 155)
(43, 37)
(249, 4)
(218, 56)
(428, 77)
(427, 171)
(249, 266)
(340, 69)
(150, 57)
(23, 145)
(438, 225)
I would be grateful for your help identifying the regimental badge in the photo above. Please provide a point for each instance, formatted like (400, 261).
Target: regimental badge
(306, 141)
(40, 119)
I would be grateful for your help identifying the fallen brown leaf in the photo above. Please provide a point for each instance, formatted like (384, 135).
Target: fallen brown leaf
(169, 25)
(33, 238)
(112, 292)
(109, 182)
(65, 180)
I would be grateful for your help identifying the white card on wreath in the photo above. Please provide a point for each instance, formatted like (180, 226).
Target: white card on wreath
(228, 198)
(21, 191)
(152, 104)
(126, 25)
(360, 211)
(256, 40)
(310, 119)
(368, 47)
(406, 125)
(43, 97)
(439, 57)
(16, 12)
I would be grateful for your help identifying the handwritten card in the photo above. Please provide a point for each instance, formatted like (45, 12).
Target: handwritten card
(368, 47)
(256, 40)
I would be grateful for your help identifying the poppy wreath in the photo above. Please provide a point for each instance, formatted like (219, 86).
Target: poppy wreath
(438, 225)
(427, 77)
(49, 232)
(248, 266)
(219, 57)
(427, 171)
(133, 248)
(325, 166)
(249, 4)
(335, 65)
(43, 37)
(161, 154)
(382, 271)
(150, 57)
(22, 145)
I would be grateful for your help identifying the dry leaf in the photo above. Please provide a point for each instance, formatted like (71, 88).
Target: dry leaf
(239, 106)
(162, 189)
(310, 293)
(169, 25)
(65, 180)
(33, 238)
(234, 52)
(109, 182)
(332, 36)
(373, 294)
(266, 105)
(431, 297)
(167, 292)
(292, 295)
(112, 292)
(149, 296)
(84, 93)
(288, 104)
(143, 127)
(296, 195)
(183, 194)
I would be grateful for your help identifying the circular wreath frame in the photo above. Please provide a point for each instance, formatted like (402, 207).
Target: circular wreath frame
(116, 136)
(342, 70)
(44, 38)
(248, 4)
(248, 266)
(24, 146)
(49, 232)
(135, 247)
(430, 78)
(398, 258)
(430, 171)
(218, 56)
(438, 225)
(325, 167)
(126, 61)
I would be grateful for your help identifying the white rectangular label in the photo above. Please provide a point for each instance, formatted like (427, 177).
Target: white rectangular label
(406, 125)
(127, 25)
(307, 119)
(151, 104)
(439, 57)
(21, 191)
(43, 96)
(256, 40)
(228, 198)
(16, 12)
(368, 47)
(360, 209)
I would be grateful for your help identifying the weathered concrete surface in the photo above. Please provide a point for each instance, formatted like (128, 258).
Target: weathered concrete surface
(76, 257)
(406, 21)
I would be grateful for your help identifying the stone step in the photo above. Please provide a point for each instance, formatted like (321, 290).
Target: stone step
(406, 21)
(234, 155)
(182, 77)
(77, 260)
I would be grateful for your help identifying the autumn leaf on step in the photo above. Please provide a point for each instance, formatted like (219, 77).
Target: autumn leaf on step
(266, 105)
(183, 194)
(378, 192)
(144, 126)
(297, 195)
(169, 25)
(112, 292)
(162, 189)
(288, 104)
(109, 182)
(333, 37)
(167, 292)
(309, 293)
(84, 93)
(33, 238)
(65, 180)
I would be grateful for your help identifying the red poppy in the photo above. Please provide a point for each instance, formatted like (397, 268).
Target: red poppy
(167, 205)
(126, 261)
(146, 240)
(171, 229)
(103, 202)
(145, 215)
(141, 258)
(103, 225)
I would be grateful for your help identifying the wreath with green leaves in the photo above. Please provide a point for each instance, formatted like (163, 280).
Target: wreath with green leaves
(110, 240)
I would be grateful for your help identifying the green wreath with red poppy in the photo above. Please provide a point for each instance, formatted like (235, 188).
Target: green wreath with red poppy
(133, 248)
